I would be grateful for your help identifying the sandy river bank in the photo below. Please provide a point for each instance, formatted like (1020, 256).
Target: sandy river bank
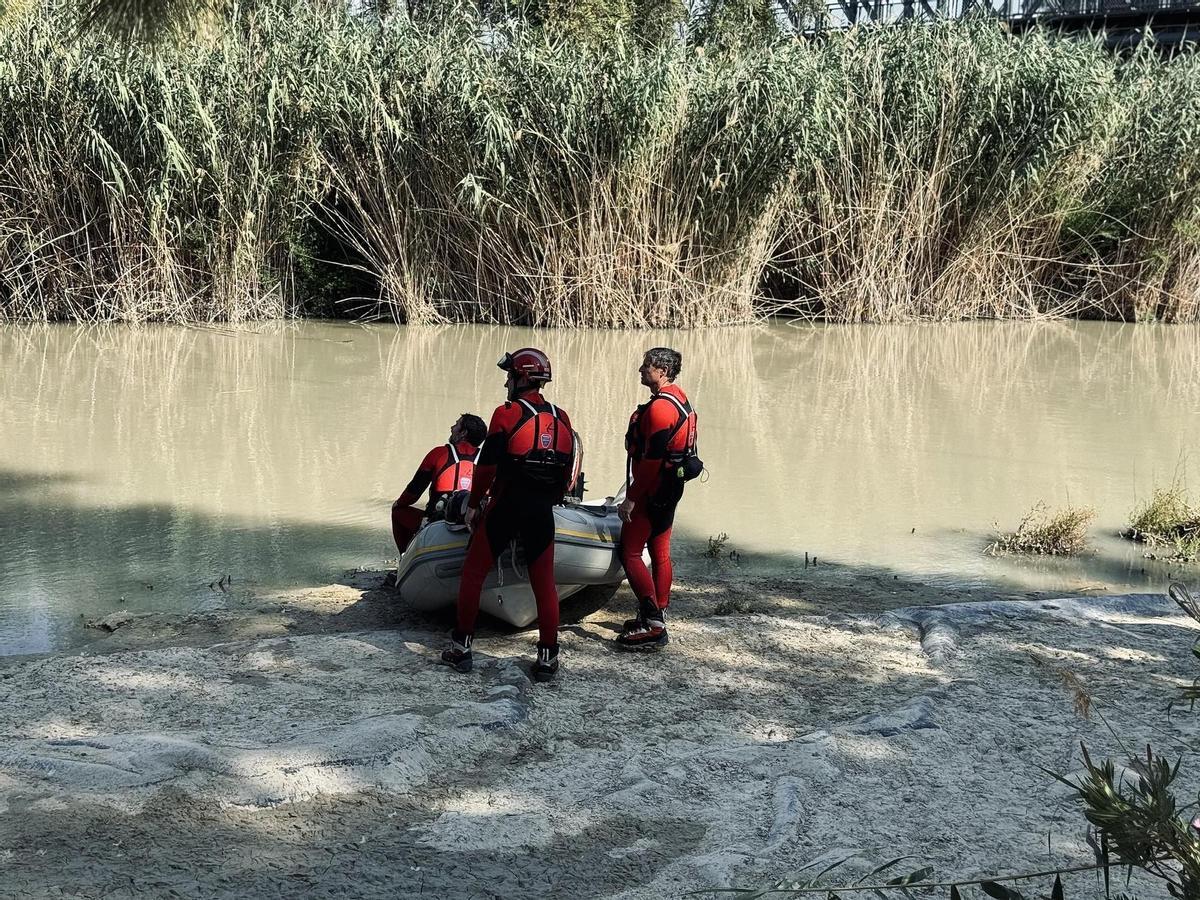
(304, 744)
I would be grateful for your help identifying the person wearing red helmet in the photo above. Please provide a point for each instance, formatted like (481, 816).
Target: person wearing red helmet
(444, 470)
(661, 444)
(524, 467)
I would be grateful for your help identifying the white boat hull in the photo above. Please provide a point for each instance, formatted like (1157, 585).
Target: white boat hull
(585, 553)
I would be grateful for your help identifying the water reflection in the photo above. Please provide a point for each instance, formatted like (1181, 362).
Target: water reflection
(169, 456)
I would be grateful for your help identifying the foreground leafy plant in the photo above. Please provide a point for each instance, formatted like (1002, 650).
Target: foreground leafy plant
(1139, 822)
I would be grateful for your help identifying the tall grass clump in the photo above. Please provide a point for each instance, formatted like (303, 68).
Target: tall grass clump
(1168, 519)
(1061, 532)
(452, 168)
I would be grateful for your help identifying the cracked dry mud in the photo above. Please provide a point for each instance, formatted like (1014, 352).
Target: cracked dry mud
(318, 750)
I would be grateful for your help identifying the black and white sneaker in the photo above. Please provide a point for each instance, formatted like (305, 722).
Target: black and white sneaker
(458, 655)
(545, 666)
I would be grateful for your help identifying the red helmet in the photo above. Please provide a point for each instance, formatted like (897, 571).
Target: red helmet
(527, 362)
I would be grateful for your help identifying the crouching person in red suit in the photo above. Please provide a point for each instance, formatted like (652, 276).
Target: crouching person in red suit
(444, 470)
(524, 467)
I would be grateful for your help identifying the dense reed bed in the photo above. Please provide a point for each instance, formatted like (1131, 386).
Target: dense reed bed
(298, 160)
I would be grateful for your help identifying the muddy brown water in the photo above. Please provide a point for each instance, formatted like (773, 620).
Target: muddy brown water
(138, 466)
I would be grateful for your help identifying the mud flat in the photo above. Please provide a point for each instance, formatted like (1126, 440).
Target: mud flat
(307, 745)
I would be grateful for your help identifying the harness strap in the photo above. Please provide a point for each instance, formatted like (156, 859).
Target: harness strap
(674, 400)
(554, 441)
(685, 415)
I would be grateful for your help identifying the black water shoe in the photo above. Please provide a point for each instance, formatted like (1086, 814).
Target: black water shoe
(646, 610)
(458, 655)
(545, 666)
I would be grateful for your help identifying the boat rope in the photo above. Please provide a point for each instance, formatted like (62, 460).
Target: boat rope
(512, 549)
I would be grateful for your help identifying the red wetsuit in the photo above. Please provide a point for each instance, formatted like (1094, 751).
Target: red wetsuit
(442, 474)
(659, 430)
(526, 463)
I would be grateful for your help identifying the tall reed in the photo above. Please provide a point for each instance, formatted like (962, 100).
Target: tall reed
(152, 187)
(503, 173)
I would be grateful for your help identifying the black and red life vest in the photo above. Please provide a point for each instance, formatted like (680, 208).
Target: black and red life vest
(673, 447)
(456, 474)
(679, 442)
(541, 446)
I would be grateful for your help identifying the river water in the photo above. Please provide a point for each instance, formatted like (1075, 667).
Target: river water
(139, 466)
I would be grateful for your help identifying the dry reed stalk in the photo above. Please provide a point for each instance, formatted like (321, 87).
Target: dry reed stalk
(939, 171)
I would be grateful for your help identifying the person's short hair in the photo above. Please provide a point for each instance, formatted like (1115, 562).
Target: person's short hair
(474, 429)
(670, 361)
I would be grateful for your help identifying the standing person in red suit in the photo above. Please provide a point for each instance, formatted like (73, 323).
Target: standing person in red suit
(661, 444)
(524, 467)
(444, 470)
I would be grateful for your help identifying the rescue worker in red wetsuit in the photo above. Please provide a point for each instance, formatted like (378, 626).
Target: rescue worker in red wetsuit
(524, 467)
(444, 470)
(661, 444)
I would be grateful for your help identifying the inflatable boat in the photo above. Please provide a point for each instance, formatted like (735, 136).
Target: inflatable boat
(585, 553)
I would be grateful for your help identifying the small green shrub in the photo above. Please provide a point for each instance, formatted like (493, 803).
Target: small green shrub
(716, 546)
(733, 606)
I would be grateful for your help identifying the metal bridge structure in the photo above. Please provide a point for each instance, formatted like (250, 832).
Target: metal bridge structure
(1175, 24)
